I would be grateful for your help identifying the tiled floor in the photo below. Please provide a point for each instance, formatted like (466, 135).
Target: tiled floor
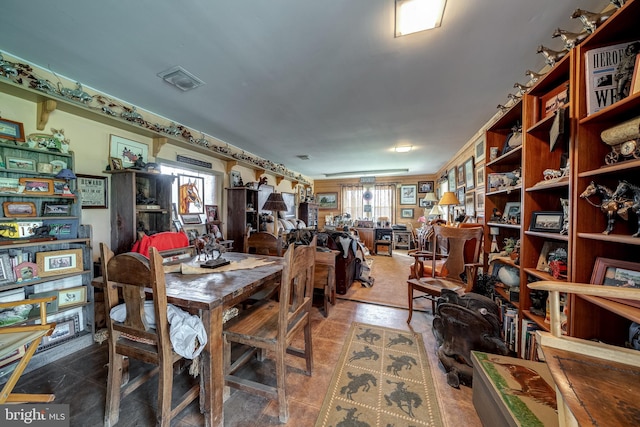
(79, 380)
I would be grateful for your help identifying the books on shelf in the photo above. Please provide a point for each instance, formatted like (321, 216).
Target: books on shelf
(608, 74)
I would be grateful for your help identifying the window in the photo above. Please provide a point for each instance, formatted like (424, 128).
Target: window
(212, 182)
(380, 201)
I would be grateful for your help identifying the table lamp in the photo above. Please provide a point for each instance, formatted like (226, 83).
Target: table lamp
(66, 174)
(436, 211)
(449, 199)
(275, 203)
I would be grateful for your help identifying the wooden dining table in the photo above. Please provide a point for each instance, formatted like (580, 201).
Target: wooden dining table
(209, 295)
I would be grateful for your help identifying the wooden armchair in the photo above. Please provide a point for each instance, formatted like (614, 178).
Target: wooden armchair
(264, 243)
(133, 273)
(13, 338)
(272, 326)
(447, 273)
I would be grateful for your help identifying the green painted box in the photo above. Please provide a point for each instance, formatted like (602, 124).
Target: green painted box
(513, 392)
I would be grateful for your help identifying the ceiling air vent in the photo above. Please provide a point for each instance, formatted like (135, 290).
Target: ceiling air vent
(303, 157)
(180, 78)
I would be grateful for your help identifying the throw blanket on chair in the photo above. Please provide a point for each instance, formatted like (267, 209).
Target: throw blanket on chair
(161, 241)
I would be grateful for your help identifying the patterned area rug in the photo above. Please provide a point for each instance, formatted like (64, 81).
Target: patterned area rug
(382, 379)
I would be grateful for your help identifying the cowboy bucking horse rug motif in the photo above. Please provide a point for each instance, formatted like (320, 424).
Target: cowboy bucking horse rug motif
(382, 379)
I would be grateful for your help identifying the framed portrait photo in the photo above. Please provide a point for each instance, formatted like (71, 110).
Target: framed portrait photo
(211, 212)
(408, 194)
(425, 186)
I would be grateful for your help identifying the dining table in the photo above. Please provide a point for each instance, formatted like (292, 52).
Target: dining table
(208, 293)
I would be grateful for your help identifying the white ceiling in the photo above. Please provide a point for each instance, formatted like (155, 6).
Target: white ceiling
(291, 77)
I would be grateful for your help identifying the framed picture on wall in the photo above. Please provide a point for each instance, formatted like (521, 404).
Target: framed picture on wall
(128, 151)
(425, 186)
(290, 201)
(408, 194)
(461, 179)
(327, 200)
(94, 191)
(479, 176)
(190, 191)
(479, 148)
(406, 213)
(469, 176)
(470, 204)
(451, 179)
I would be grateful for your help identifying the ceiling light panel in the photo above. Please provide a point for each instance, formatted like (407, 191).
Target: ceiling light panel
(413, 16)
(180, 78)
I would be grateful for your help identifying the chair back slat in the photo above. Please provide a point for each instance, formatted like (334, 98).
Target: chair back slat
(457, 239)
(296, 290)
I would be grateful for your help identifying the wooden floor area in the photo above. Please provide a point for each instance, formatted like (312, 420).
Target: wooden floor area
(80, 379)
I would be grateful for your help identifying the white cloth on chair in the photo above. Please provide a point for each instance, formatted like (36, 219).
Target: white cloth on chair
(187, 333)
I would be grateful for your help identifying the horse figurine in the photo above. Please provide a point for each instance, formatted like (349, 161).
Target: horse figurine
(624, 188)
(533, 76)
(570, 39)
(591, 21)
(608, 204)
(551, 56)
(189, 195)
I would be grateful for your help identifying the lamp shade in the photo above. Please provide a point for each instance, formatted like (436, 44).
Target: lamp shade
(430, 197)
(66, 174)
(275, 203)
(435, 210)
(449, 198)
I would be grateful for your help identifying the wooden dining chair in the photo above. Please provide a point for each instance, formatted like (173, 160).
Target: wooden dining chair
(272, 325)
(447, 273)
(135, 337)
(264, 243)
(13, 339)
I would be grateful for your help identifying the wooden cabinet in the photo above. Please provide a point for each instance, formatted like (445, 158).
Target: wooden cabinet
(140, 201)
(242, 211)
(547, 145)
(44, 249)
(366, 236)
(592, 317)
(308, 212)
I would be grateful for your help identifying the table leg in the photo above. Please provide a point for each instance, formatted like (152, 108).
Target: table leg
(211, 370)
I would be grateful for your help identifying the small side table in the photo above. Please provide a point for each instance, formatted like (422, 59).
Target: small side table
(401, 239)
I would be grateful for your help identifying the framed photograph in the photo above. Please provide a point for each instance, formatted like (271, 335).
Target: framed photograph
(511, 213)
(469, 175)
(127, 151)
(328, 200)
(543, 258)
(64, 331)
(479, 148)
(425, 203)
(460, 175)
(409, 194)
(50, 208)
(177, 224)
(6, 272)
(406, 213)
(25, 271)
(9, 185)
(190, 191)
(479, 204)
(614, 272)
(425, 186)
(212, 212)
(93, 191)
(290, 201)
(235, 179)
(191, 219)
(479, 176)
(37, 186)
(548, 222)
(460, 196)
(72, 296)
(20, 165)
(451, 179)
(19, 209)
(11, 130)
(62, 228)
(470, 204)
(116, 163)
(53, 263)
